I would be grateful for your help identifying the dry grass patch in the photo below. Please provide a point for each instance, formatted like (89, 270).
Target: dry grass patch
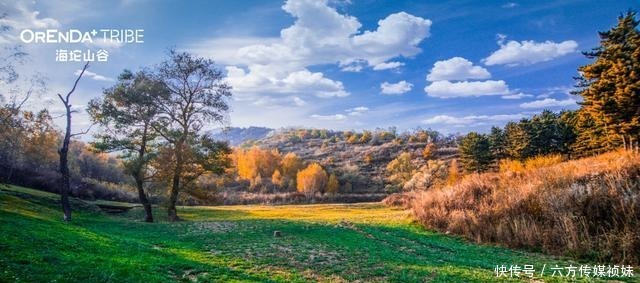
(588, 208)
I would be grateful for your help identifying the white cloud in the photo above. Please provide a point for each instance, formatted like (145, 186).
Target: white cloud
(510, 5)
(336, 117)
(518, 95)
(471, 120)
(548, 102)
(357, 111)
(387, 65)
(319, 35)
(447, 89)
(274, 102)
(456, 69)
(20, 15)
(262, 81)
(93, 76)
(106, 44)
(397, 88)
(514, 53)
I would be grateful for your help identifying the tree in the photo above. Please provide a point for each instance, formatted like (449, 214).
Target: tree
(276, 179)
(312, 179)
(197, 95)
(400, 170)
(475, 152)
(517, 140)
(290, 165)
(333, 185)
(498, 143)
(65, 180)
(126, 112)
(610, 88)
(429, 151)
(256, 161)
(366, 137)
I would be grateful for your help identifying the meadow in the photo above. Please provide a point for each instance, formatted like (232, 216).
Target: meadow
(366, 242)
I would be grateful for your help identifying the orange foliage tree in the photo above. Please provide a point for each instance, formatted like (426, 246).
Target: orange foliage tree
(312, 179)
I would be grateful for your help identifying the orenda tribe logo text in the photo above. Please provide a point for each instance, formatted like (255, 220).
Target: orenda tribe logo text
(102, 39)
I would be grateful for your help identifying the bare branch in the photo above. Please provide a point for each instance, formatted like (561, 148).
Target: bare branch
(86, 65)
(83, 132)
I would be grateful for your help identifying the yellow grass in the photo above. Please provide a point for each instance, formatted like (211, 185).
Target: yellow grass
(365, 213)
(588, 207)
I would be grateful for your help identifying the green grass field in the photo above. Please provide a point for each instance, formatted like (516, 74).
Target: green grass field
(326, 243)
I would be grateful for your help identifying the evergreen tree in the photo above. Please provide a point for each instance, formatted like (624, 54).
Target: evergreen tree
(610, 88)
(517, 140)
(475, 152)
(497, 143)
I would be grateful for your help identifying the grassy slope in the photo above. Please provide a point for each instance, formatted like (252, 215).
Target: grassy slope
(365, 242)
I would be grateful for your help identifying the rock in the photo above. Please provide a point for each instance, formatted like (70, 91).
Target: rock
(277, 234)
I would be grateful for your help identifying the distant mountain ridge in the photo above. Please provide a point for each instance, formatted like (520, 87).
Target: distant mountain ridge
(237, 135)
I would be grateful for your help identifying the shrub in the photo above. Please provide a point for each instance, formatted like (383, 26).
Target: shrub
(588, 208)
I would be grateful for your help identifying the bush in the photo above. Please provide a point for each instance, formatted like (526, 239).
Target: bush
(588, 208)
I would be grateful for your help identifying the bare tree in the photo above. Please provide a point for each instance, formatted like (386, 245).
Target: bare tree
(65, 180)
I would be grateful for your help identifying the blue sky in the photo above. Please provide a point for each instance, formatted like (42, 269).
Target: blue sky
(453, 66)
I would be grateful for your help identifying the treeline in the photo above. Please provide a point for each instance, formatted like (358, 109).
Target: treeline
(270, 171)
(543, 134)
(28, 156)
(608, 118)
(378, 136)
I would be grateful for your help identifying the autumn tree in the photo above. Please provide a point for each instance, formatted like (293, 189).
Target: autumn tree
(277, 179)
(256, 161)
(333, 185)
(429, 151)
(290, 165)
(400, 170)
(126, 112)
(312, 179)
(610, 88)
(198, 95)
(366, 137)
(40, 140)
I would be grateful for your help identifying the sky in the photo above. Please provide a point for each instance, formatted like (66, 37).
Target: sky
(452, 66)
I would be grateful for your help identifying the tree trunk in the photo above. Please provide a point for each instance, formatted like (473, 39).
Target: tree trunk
(139, 176)
(144, 201)
(175, 186)
(65, 182)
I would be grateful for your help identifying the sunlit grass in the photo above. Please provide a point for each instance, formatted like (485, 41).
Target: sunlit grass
(324, 243)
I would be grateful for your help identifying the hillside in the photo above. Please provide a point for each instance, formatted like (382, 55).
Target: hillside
(361, 163)
(237, 136)
(322, 243)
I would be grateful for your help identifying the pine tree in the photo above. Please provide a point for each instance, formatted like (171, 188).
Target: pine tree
(497, 143)
(610, 88)
(517, 140)
(475, 152)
